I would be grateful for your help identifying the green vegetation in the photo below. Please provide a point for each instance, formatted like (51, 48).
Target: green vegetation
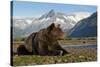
(37, 60)
(76, 54)
(19, 39)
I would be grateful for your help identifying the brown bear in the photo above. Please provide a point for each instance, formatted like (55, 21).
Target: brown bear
(45, 41)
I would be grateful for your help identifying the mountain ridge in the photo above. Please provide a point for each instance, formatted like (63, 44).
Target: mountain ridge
(67, 22)
(86, 27)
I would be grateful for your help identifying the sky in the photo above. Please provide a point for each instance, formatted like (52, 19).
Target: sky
(36, 9)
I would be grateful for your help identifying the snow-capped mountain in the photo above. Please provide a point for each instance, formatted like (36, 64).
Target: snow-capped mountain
(67, 21)
(29, 25)
(86, 27)
(19, 24)
(22, 22)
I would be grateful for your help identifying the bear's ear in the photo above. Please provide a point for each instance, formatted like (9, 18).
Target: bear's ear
(58, 25)
(51, 27)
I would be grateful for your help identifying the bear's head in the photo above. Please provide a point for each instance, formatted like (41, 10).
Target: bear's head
(55, 31)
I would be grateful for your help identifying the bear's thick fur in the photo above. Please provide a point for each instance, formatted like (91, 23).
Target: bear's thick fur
(45, 41)
(23, 51)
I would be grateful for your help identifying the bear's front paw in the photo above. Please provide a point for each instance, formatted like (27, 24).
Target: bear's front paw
(61, 53)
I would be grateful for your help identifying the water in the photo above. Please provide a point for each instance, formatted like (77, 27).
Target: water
(80, 46)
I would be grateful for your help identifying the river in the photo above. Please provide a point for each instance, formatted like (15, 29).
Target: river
(80, 46)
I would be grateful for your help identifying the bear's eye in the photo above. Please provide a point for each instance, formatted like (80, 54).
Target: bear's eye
(58, 29)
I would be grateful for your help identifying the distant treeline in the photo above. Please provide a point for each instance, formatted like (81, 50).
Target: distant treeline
(19, 39)
(66, 38)
(80, 38)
